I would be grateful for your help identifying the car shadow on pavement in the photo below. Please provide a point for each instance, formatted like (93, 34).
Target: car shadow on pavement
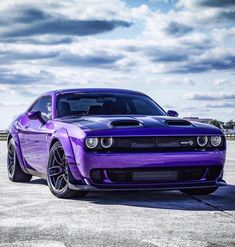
(39, 181)
(222, 199)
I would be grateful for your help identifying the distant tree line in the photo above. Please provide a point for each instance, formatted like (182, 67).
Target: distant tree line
(228, 125)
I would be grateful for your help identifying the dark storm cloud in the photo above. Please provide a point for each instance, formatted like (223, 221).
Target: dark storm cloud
(96, 60)
(215, 3)
(177, 53)
(11, 78)
(30, 15)
(22, 15)
(185, 58)
(177, 29)
(16, 79)
(227, 15)
(13, 56)
(57, 58)
(37, 41)
(31, 21)
(171, 57)
(66, 27)
(225, 63)
(156, 54)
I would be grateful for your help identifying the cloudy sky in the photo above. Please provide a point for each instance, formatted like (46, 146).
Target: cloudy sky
(181, 53)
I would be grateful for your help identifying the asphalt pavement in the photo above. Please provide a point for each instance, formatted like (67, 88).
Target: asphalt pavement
(31, 216)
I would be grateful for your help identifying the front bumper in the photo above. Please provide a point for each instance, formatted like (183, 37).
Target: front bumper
(154, 188)
(87, 162)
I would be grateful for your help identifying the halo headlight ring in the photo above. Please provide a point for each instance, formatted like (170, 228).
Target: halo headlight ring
(91, 142)
(202, 141)
(216, 141)
(106, 142)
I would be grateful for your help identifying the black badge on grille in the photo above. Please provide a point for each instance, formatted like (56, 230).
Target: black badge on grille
(186, 143)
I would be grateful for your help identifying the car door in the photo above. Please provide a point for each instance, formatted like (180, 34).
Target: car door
(34, 135)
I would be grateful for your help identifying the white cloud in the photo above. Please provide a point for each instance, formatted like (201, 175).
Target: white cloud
(220, 105)
(209, 96)
(220, 82)
(164, 53)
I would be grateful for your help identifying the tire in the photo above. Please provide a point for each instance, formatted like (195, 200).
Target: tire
(57, 174)
(15, 173)
(202, 191)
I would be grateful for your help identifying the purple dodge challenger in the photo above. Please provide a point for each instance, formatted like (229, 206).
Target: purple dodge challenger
(84, 140)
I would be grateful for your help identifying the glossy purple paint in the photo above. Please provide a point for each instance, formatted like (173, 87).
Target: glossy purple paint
(33, 141)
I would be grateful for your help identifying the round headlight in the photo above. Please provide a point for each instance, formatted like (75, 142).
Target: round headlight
(216, 141)
(202, 141)
(106, 142)
(92, 142)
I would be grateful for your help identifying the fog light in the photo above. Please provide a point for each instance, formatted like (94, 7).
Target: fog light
(216, 141)
(202, 141)
(106, 142)
(92, 142)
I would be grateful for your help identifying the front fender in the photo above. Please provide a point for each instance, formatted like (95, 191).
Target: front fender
(62, 136)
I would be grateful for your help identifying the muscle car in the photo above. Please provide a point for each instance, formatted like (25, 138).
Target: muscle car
(84, 140)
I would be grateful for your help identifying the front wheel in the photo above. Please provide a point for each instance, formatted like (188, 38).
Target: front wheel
(57, 174)
(15, 173)
(202, 191)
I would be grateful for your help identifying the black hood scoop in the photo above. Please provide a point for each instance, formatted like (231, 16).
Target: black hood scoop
(178, 123)
(126, 123)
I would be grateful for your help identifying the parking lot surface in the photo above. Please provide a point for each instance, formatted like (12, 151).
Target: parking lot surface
(31, 216)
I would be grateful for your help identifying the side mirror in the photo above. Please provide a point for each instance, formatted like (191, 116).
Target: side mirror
(36, 115)
(172, 113)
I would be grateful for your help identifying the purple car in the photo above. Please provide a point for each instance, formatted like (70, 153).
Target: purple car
(85, 140)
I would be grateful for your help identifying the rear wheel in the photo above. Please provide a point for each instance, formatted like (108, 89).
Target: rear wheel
(15, 173)
(202, 191)
(57, 174)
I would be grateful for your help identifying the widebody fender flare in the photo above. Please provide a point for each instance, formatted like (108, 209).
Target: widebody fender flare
(62, 136)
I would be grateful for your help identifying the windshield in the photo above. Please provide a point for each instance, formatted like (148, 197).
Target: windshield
(80, 104)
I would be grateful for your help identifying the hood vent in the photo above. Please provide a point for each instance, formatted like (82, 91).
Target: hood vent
(178, 123)
(126, 123)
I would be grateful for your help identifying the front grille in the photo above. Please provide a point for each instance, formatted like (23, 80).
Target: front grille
(154, 176)
(155, 144)
(157, 175)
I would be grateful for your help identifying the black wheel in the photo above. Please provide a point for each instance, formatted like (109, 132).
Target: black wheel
(202, 191)
(57, 174)
(15, 173)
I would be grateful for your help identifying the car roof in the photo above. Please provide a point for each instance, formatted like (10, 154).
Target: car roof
(92, 90)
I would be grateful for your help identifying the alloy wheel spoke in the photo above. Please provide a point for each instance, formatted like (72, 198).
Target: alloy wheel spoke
(59, 182)
(10, 156)
(10, 167)
(58, 157)
(65, 178)
(10, 152)
(55, 171)
(11, 159)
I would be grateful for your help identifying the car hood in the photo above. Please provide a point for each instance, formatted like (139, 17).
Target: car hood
(138, 124)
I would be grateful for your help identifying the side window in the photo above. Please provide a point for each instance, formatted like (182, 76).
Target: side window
(44, 106)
